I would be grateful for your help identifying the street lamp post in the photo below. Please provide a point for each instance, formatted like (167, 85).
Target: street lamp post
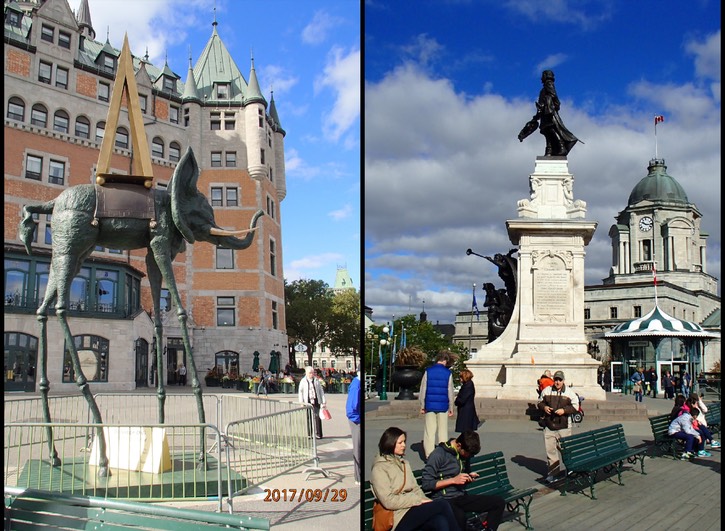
(384, 340)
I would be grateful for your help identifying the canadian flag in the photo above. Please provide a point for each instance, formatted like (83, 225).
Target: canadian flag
(654, 273)
(659, 118)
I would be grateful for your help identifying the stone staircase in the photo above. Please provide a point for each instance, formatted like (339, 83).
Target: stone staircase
(492, 408)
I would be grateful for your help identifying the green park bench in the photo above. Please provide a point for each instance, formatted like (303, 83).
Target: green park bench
(27, 509)
(584, 454)
(713, 417)
(664, 443)
(492, 480)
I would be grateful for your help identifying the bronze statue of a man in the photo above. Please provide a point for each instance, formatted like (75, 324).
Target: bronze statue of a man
(559, 140)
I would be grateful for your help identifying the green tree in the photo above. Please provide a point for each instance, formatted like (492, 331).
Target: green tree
(308, 305)
(345, 327)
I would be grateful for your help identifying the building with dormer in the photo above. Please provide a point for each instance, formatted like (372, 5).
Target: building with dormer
(58, 82)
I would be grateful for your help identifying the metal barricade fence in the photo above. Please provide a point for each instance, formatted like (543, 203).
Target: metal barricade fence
(71, 408)
(26, 461)
(236, 407)
(268, 446)
(120, 408)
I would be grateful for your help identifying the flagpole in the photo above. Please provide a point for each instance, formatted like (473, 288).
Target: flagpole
(656, 136)
(470, 330)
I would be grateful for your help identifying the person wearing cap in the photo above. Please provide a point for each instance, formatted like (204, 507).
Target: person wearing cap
(558, 404)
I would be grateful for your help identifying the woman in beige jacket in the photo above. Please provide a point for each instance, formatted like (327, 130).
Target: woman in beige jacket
(395, 488)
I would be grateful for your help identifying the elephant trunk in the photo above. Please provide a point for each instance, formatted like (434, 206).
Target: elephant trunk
(227, 239)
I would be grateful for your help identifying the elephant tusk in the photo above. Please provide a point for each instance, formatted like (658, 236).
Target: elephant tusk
(222, 232)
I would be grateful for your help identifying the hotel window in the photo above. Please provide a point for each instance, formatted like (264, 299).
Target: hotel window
(12, 18)
(232, 199)
(157, 147)
(56, 175)
(261, 156)
(122, 138)
(47, 33)
(174, 115)
(39, 115)
(16, 109)
(216, 159)
(83, 127)
(225, 311)
(275, 316)
(104, 91)
(271, 174)
(228, 120)
(33, 167)
(169, 84)
(261, 118)
(64, 39)
(217, 196)
(186, 117)
(142, 103)
(646, 250)
(95, 352)
(224, 258)
(216, 121)
(273, 258)
(613, 312)
(222, 91)
(61, 121)
(230, 159)
(48, 229)
(61, 77)
(638, 311)
(100, 131)
(587, 315)
(109, 64)
(45, 71)
(174, 152)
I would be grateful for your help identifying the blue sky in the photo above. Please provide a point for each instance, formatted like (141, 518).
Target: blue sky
(449, 84)
(309, 54)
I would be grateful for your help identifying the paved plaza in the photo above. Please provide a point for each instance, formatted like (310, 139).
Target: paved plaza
(675, 495)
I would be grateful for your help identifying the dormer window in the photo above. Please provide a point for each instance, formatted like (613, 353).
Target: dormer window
(169, 84)
(222, 91)
(12, 18)
(64, 39)
(109, 64)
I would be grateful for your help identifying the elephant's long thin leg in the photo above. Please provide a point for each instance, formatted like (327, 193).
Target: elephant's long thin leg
(155, 282)
(44, 383)
(163, 261)
(67, 267)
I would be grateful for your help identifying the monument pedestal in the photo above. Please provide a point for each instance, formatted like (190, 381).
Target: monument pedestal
(546, 330)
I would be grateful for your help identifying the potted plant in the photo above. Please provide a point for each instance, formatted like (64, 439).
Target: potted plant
(212, 377)
(288, 385)
(408, 375)
(226, 381)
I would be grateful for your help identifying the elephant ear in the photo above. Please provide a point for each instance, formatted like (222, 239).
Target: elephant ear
(182, 190)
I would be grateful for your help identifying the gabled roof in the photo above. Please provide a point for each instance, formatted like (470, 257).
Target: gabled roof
(658, 323)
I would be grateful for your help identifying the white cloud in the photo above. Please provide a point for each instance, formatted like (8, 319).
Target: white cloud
(551, 61)
(310, 266)
(296, 166)
(341, 213)
(342, 75)
(273, 77)
(317, 30)
(423, 50)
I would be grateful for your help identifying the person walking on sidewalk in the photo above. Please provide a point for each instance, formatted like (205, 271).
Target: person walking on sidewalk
(310, 392)
(352, 409)
(558, 403)
(467, 418)
(436, 402)
(447, 473)
(652, 381)
(638, 382)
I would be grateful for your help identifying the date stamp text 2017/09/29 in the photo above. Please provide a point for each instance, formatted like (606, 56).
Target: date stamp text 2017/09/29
(308, 495)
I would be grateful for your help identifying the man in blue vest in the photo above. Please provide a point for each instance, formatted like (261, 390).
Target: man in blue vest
(436, 402)
(352, 410)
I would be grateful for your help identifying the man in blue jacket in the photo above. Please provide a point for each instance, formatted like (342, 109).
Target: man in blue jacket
(436, 402)
(352, 409)
(448, 471)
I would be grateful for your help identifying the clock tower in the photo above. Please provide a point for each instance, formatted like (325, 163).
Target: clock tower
(659, 228)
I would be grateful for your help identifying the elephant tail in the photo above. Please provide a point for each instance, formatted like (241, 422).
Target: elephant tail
(28, 224)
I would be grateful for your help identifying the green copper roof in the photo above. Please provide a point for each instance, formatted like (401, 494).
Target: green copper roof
(254, 94)
(215, 65)
(658, 186)
(276, 125)
(190, 92)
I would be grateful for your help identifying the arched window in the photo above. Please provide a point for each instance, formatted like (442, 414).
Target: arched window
(174, 152)
(39, 115)
(122, 137)
(21, 352)
(61, 121)
(16, 109)
(227, 362)
(93, 353)
(157, 147)
(83, 127)
(100, 131)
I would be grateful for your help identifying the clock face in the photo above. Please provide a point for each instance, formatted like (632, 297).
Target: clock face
(645, 224)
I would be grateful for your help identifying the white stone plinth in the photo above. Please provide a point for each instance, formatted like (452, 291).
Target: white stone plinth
(546, 330)
(134, 448)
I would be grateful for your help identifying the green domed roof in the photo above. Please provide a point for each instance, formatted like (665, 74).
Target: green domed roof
(658, 186)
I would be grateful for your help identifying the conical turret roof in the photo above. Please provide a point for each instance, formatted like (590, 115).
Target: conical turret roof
(215, 65)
